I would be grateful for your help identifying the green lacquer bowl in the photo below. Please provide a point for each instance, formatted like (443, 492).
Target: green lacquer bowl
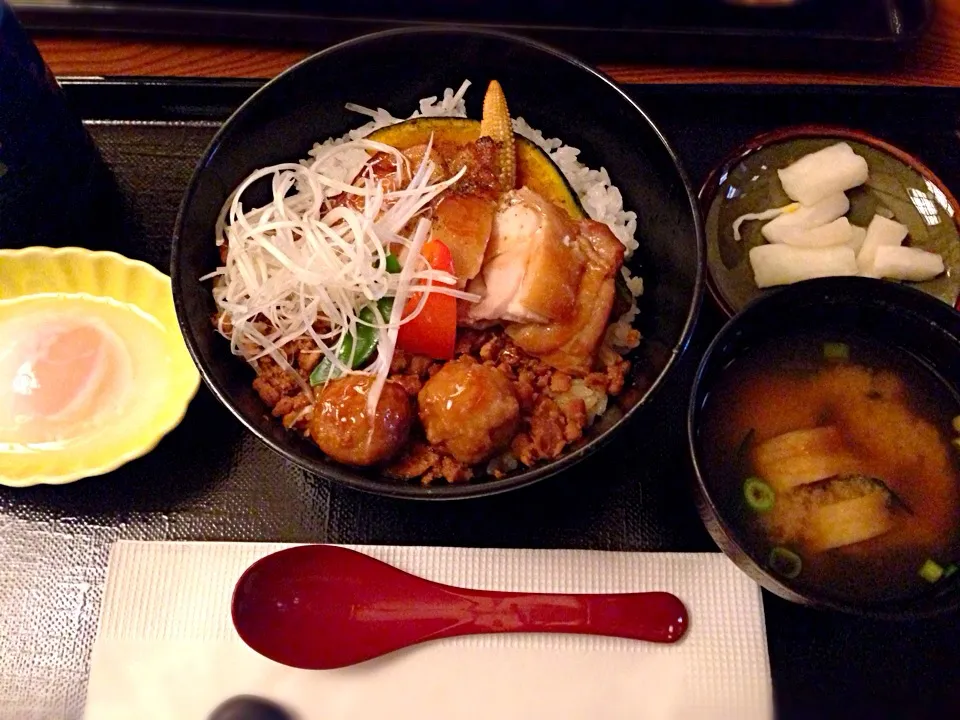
(747, 182)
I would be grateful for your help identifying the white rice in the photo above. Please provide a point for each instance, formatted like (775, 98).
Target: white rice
(599, 197)
(594, 401)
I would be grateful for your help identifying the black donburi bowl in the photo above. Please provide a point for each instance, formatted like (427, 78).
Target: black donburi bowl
(394, 69)
(893, 314)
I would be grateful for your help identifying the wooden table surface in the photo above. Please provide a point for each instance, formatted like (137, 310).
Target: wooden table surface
(935, 62)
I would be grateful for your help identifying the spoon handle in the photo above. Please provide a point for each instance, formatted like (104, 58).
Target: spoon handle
(651, 616)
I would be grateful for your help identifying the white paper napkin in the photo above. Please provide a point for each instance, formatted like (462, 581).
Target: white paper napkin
(166, 648)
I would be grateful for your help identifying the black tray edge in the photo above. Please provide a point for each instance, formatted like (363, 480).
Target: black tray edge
(597, 44)
(132, 98)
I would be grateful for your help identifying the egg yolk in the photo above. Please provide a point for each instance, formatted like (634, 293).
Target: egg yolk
(58, 374)
(60, 371)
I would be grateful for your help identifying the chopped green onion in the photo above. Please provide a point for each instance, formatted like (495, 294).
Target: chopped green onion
(785, 562)
(930, 571)
(393, 265)
(836, 351)
(355, 349)
(956, 424)
(759, 495)
(949, 570)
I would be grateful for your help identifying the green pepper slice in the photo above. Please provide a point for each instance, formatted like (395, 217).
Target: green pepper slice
(393, 265)
(357, 348)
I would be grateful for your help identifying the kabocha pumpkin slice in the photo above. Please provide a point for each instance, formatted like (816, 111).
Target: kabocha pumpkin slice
(497, 126)
(534, 170)
(417, 131)
(538, 172)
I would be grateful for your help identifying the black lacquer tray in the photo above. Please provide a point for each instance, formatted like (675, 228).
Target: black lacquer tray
(824, 33)
(210, 480)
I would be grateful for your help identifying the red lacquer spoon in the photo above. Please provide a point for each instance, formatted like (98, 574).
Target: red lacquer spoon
(320, 607)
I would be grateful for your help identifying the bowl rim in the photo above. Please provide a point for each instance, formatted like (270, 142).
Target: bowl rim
(342, 473)
(705, 498)
(708, 190)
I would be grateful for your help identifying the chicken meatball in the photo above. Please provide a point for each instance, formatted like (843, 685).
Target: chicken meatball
(343, 429)
(469, 409)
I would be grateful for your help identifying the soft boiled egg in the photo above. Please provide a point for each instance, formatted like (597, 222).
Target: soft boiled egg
(77, 371)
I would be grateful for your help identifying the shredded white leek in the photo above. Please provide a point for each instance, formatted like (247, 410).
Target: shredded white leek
(301, 267)
(765, 215)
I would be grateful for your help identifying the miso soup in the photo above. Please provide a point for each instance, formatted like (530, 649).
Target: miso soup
(837, 458)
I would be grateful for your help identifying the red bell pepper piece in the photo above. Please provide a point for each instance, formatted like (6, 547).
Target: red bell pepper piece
(434, 331)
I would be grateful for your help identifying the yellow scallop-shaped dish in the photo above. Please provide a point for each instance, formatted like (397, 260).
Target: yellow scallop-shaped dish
(93, 369)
